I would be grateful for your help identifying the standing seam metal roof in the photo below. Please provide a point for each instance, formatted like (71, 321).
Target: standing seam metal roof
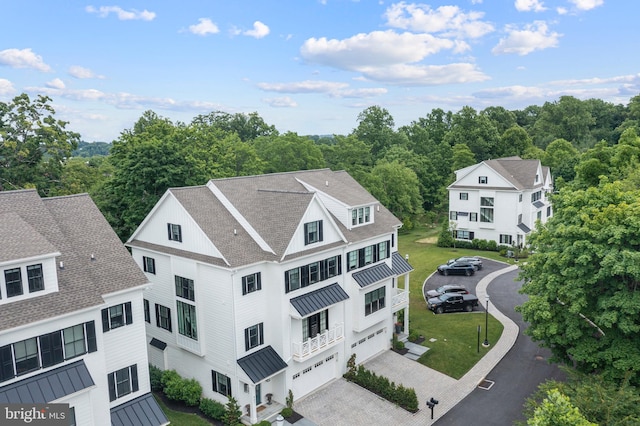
(319, 299)
(262, 364)
(372, 274)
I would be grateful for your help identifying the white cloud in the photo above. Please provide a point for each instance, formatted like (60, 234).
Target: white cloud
(82, 73)
(282, 102)
(562, 10)
(426, 75)
(259, 30)
(532, 37)
(56, 83)
(529, 5)
(24, 58)
(448, 20)
(6, 87)
(204, 27)
(378, 48)
(123, 15)
(307, 86)
(587, 4)
(360, 93)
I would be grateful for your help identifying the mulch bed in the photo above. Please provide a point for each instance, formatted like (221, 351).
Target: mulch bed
(294, 417)
(419, 340)
(402, 351)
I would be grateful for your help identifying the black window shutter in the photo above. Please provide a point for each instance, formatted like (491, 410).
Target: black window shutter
(388, 249)
(286, 281)
(471, 235)
(127, 312)
(376, 253)
(92, 345)
(304, 276)
(319, 230)
(306, 234)
(228, 386)
(339, 264)
(56, 346)
(6, 364)
(46, 350)
(169, 230)
(105, 320)
(259, 281)
(244, 285)
(169, 318)
(112, 387)
(393, 240)
(261, 332)
(134, 378)
(361, 257)
(157, 315)
(246, 339)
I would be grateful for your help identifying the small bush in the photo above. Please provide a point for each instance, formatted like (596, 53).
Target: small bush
(404, 397)
(191, 392)
(413, 336)
(289, 400)
(399, 345)
(232, 413)
(212, 409)
(263, 423)
(286, 412)
(155, 377)
(176, 388)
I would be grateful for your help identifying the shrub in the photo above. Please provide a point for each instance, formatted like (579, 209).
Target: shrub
(286, 412)
(289, 400)
(399, 345)
(155, 377)
(263, 423)
(232, 413)
(413, 336)
(404, 397)
(212, 409)
(176, 388)
(191, 392)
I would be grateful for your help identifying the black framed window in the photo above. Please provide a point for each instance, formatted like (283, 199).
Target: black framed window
(483, 179)
(352, 260)
(123, 382)
(473, 217)
(505, 239)
(251, 283)
(313, 232)
(147, 311)
(187, 322)
(26, 355)
(486, 209)
(312, 273)
(185, 288)
(315, 324)
(374, 300)
(149, 264)
(221, 383)
(163, 317)
(175, 232)
(116, 316)
(254, 336)
(74, 341)
(35, 278)
(13, 281)
(464, 196)
(453, 215)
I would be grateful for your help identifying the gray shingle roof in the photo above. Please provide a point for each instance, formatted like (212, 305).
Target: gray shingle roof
(75, 228)
(262, 364)
(372, 275)
(319, 299)
(142, 411)
(521, 173)
(48, 386)
(399, 265)
(274, 205)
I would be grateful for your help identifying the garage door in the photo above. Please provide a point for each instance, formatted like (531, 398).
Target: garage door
(314, 375)
(370, 345)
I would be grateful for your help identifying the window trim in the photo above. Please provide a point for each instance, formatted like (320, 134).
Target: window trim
(161, 318)
(174, 232)
(190, 320)
(147, 310)
(464, 196)
(14, 282)
(483, 180)
(149, 264)
(312, 236)
(251, 283)
(217, 379)
(35, 283)
(379, 303)
(131, 380)
(259, 336)
(108, 316)
(185, 288)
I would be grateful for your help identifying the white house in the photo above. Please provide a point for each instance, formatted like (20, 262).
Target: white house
(265, 284)
(71, 313)
(500, 200)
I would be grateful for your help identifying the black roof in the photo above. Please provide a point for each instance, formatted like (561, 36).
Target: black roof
(319, 299)
(399, 265)
(372, 275)
(142, 411)
(538, 204)
(158, 344)
(524, 228)
(48, 386)
(262, 364)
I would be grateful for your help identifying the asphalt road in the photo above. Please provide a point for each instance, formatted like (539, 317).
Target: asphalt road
(517, 376)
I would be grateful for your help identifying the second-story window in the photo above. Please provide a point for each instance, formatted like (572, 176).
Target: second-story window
(253, 336)
(184, 288)
(251, 283)
(464, 196)
(312, 232)
(175, 232)
(149, 264)
(116, 316)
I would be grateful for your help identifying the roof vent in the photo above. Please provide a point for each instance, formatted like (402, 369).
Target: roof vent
(235, 232)
(326, 183)
(61, 264)
(93, 257)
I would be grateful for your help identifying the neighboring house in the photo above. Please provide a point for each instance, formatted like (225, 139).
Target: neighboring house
(500, 200)
(265, 284)
(71, 313)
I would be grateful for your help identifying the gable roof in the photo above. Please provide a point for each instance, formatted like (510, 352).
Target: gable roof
(75, 228)
(518, 172)
(254, 218)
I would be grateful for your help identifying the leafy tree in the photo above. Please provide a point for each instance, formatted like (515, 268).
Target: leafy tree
(428, 132)
(247, 126)
(569, 118)
(476, 131)
(501, 118)
(608, 118)
(288, 152)
(33, 144)
(376, 129)
(462, 157)
(561, 157)
(515, 141)
(350, 154)
(81, 175)
(557, 410)
(583, 281)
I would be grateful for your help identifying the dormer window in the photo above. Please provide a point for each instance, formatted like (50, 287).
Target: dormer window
(13, 282)
(175, 232)
(360, 216)
(35, 278)
(313, 232)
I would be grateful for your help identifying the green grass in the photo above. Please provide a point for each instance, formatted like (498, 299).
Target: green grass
(182, 419)
(455, 348)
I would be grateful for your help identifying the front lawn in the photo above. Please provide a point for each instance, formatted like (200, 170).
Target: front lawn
(454, 350)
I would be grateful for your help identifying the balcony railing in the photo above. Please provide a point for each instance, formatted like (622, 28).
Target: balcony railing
(400, 298)
(322, 341)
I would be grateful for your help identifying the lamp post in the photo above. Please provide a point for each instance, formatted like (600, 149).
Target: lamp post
(486, 324)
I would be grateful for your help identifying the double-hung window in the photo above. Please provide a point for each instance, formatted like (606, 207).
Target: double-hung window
(464, 196)
(313, 232)
(187, 322)
(35, 278)
(483, 179)
(221, 383)
(123, 382)
(185, 288)
(13, 281)
(74, 342)
(149, 264)
(26, 353)
(251, 283)
(314, 325)
(175, 232)
(253, 336)
(116, 316)
(486, 209)
(163, 317)
(314, 272)
(505, 239)
(374, 300)
(453, 215)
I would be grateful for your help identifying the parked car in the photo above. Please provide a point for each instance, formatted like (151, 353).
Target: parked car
(476, 262)
(448, 288)
(448, 302)
(458, 268)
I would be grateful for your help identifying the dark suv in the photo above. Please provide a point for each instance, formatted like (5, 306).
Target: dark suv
(448, 288)
(457, 268)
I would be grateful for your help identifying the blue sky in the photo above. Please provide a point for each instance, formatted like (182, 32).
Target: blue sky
(311, 66)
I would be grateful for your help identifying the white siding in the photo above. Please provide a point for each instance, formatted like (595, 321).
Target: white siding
(330, 232)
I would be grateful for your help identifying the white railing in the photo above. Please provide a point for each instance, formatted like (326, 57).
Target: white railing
(401, 297)
(303, 350)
